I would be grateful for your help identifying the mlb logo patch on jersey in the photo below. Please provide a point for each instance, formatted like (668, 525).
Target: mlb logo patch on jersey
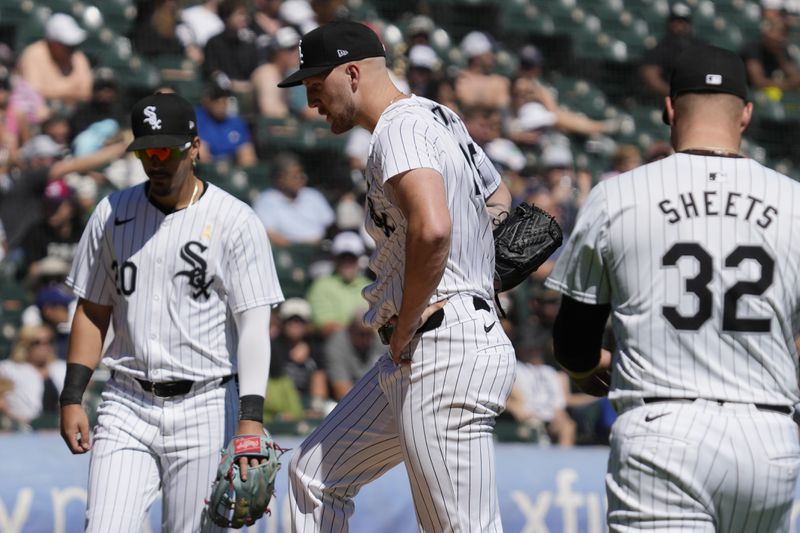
(717, 176)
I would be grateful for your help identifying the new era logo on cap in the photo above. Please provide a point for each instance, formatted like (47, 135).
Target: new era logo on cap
(341, 53)
(713, 79)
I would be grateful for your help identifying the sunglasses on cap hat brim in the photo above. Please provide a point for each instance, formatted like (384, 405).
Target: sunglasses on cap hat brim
(162, 154)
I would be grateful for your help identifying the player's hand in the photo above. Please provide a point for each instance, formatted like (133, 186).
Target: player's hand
(249, 427)
(598, 382)
(595, 385)
(75, 428)
(403, 333)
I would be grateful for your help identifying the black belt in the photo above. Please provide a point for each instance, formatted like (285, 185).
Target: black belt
(783, 409)
(166, 389)
(433, 322)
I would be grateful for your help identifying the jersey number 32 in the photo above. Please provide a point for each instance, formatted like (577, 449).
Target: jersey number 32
(698, 286)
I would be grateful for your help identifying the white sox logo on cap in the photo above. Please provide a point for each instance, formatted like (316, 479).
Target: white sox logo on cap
(300, 47)
(151, 118)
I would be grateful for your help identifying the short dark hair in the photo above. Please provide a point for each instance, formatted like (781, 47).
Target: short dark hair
(227, 7)
(283, 161)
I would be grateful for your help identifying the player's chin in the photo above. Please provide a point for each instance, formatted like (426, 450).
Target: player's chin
(338, 126)
(161, 185)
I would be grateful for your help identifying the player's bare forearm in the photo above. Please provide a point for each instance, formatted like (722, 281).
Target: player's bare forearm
(498, 204)
(89, 327)
(421, 197)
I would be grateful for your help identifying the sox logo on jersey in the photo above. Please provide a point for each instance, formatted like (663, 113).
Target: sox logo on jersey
(171, 322)
(197, 274)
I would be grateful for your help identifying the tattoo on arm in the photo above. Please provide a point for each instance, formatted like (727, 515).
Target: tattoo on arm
(497, 212)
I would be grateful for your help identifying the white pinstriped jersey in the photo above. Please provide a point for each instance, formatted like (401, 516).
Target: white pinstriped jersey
(420, 133)
(174, 281)
(699, 257)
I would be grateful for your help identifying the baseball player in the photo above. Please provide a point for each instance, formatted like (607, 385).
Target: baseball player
(185, 272)
(431, 400)
(695, 258)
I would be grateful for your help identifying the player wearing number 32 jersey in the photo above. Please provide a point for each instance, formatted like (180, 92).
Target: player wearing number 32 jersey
(697, 259)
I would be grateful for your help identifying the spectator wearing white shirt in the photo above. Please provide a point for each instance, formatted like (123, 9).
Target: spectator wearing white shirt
(37, 375)
(291, 212)
(203, 21)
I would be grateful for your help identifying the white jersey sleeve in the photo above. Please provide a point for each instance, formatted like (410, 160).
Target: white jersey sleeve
(581, 269)
(90, 276)
(408, 145)
(252, 280)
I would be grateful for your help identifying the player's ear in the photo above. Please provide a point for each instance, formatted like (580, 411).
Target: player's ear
(669, 111)
(353, 74)
(747, 114)
(194, 151)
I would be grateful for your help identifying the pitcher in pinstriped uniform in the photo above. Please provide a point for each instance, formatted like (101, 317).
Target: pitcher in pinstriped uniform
(431, 400)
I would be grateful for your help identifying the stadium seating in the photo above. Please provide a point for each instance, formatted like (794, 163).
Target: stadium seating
(291, 264)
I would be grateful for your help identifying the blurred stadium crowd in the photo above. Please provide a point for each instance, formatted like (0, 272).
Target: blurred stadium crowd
(559, 93)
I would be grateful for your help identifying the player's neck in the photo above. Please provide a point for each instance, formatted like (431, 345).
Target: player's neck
(382, 99)
(701, 137)
(188, 194)
(710, 151)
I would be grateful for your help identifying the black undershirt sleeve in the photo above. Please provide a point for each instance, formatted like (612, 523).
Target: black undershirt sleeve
(578, 334)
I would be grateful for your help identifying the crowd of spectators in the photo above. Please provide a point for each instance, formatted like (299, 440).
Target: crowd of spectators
(64, 126)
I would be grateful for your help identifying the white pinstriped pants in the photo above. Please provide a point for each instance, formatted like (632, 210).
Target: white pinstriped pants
(435, 415)
(702, 467)
(143, 444)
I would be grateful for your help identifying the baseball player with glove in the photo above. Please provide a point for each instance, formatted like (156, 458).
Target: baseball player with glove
(696, 259)
(185, 272)
(431, 400)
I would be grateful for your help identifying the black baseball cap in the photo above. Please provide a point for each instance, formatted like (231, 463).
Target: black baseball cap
(162, 120)
(708, 69)
(333, 44)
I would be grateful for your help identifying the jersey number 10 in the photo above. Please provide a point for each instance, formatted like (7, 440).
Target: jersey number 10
(698, 286)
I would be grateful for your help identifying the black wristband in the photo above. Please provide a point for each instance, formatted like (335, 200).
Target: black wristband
(251, 407)
(75, 382)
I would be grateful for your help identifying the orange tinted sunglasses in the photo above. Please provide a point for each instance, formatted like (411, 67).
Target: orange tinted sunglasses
(162, 154)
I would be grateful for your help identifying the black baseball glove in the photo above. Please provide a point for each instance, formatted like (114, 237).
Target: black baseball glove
(522, 242)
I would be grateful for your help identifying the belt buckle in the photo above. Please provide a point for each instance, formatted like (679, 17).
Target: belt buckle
(385, 333)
